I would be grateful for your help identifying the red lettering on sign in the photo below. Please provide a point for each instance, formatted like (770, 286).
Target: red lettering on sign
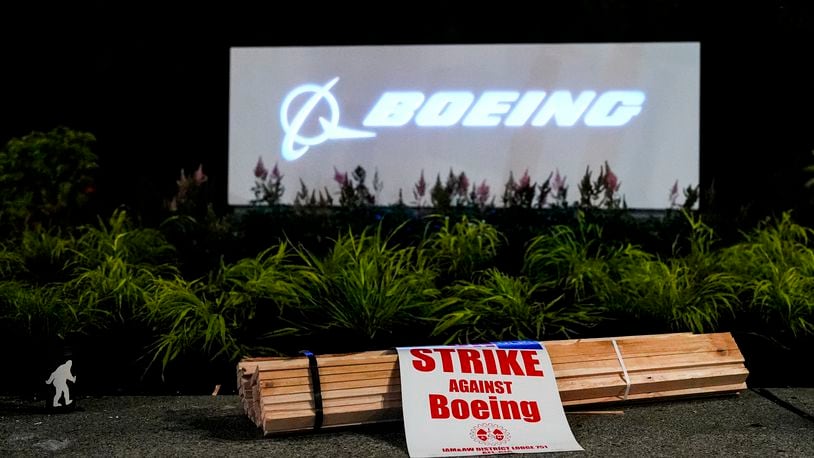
(506, 409)
(480, 409)
(480, 386)
(470, 361)
(478, 361)
(438, 406)
(489, 359)
(446, 358)
(531, 362)
(507, 360)
(422, 359)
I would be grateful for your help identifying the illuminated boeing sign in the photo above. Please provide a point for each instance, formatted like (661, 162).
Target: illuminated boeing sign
(489, 111)
(448, 108)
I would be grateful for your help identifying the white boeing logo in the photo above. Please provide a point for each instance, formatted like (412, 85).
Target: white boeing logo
(330, 127)
(449, 108)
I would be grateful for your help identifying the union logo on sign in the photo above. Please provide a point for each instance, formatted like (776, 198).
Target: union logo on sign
(489, 434)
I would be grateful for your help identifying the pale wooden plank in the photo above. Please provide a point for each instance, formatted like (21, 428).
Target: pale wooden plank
(329, 386)
(306, 423)
(334, 394)
(329, 378)
(273, 374)
(329, 360)
(356, 408)
(714, 390)
(667, 380)
(330, 403)
(574, 351)
(642, 363)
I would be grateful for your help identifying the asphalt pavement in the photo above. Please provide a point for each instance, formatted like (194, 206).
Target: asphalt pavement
(759, 422)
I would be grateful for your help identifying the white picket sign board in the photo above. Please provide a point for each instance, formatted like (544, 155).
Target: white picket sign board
(482, 399)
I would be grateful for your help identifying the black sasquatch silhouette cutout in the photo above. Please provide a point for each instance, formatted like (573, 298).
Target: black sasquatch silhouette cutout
(59, 378)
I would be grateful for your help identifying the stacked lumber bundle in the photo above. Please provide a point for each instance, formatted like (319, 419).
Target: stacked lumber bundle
(663, 366)
(277, 392)
(356, 388)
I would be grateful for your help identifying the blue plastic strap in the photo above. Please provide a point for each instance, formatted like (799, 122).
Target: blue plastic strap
(316, 389)
(519, 345)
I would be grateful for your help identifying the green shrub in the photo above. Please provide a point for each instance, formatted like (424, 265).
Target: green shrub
(11, 262)
(775, 265)
(229, 312)
(367, 286)
(461, 249)
(121, 239)
(39, 256)
(196, 314)
(33, 310)
(502, 307)
(46, 178)
(115, 265)
(688, 292)
(673, 293)
(578, 262)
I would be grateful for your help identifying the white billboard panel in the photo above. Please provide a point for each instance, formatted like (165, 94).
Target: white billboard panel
(484, 110)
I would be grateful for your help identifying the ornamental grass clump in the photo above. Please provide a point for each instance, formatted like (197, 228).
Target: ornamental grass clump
(671, 295)
(577, 262)
(196, 315)
(367, 288)
(58, 286)
(686, 292)
(461, 249)
(775, 265)
(497, 306)
(32, 310)
(115, 265)
(32, 271)
(47, 256)
(230, 313)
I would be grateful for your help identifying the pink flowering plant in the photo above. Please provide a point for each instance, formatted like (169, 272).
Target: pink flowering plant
(355, 193)
(455, 192)
(560, 190)
(690, 197)
(313, 199)
(610, 198)
(460, 195)
(268, 186)
(545, 191)
(479, 196)
(524, 193)
(420, 190)
(602, 193)
(189, 192)
(520, 193)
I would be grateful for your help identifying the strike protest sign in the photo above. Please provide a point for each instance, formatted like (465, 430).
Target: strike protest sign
(482, 399)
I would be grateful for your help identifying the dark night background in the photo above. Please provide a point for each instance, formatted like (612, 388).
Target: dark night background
(151, 81)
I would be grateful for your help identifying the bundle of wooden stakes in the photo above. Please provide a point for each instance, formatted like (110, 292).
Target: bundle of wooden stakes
(277, 393)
